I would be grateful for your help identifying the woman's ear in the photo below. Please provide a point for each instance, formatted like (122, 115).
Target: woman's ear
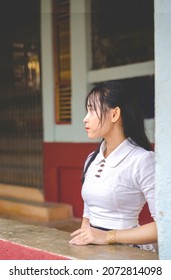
(116, 114)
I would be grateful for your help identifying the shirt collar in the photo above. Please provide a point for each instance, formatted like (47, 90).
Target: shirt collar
(117, 155)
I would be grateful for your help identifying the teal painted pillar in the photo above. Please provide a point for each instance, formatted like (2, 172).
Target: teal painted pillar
(163, 124)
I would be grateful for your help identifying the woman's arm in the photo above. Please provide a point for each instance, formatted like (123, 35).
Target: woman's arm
(140, 235)
(85, 223)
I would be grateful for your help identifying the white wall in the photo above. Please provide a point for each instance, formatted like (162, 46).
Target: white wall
(162, 126)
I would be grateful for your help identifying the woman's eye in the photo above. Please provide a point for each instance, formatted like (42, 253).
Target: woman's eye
(91, 109)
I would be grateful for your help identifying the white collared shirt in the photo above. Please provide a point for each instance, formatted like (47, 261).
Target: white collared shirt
(126, 181)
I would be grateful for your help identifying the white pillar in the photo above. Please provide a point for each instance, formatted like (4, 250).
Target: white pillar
(162, 126)
(80, 64)
(47, 74)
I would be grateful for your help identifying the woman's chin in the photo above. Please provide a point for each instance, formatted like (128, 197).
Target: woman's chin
(92, 137)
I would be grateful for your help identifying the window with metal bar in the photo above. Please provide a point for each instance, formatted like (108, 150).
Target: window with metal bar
(62, 68)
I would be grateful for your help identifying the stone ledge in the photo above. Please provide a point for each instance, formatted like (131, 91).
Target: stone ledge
(25, 241)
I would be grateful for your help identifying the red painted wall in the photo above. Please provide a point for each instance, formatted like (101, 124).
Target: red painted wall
(63, 163)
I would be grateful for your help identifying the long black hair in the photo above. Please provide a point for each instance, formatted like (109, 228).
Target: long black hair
(113, 94)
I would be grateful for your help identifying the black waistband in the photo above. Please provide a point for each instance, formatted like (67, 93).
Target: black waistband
(101, 228)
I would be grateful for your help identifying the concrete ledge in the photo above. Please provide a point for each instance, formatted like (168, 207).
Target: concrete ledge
(30, 242)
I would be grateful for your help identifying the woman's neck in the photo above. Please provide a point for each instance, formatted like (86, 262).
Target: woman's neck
(111, 145)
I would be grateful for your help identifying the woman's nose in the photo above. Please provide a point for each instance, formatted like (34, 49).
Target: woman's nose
(85, 119)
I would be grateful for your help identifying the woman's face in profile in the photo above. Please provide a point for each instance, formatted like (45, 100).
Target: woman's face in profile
(95, 127)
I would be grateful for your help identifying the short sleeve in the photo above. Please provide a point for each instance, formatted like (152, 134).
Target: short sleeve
(146, 179)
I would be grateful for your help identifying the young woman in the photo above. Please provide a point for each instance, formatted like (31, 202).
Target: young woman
(119, 176)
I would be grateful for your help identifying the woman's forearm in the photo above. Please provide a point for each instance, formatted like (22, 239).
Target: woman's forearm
(140, 235)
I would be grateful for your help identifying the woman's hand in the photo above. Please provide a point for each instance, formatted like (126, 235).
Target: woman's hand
(88, 235)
